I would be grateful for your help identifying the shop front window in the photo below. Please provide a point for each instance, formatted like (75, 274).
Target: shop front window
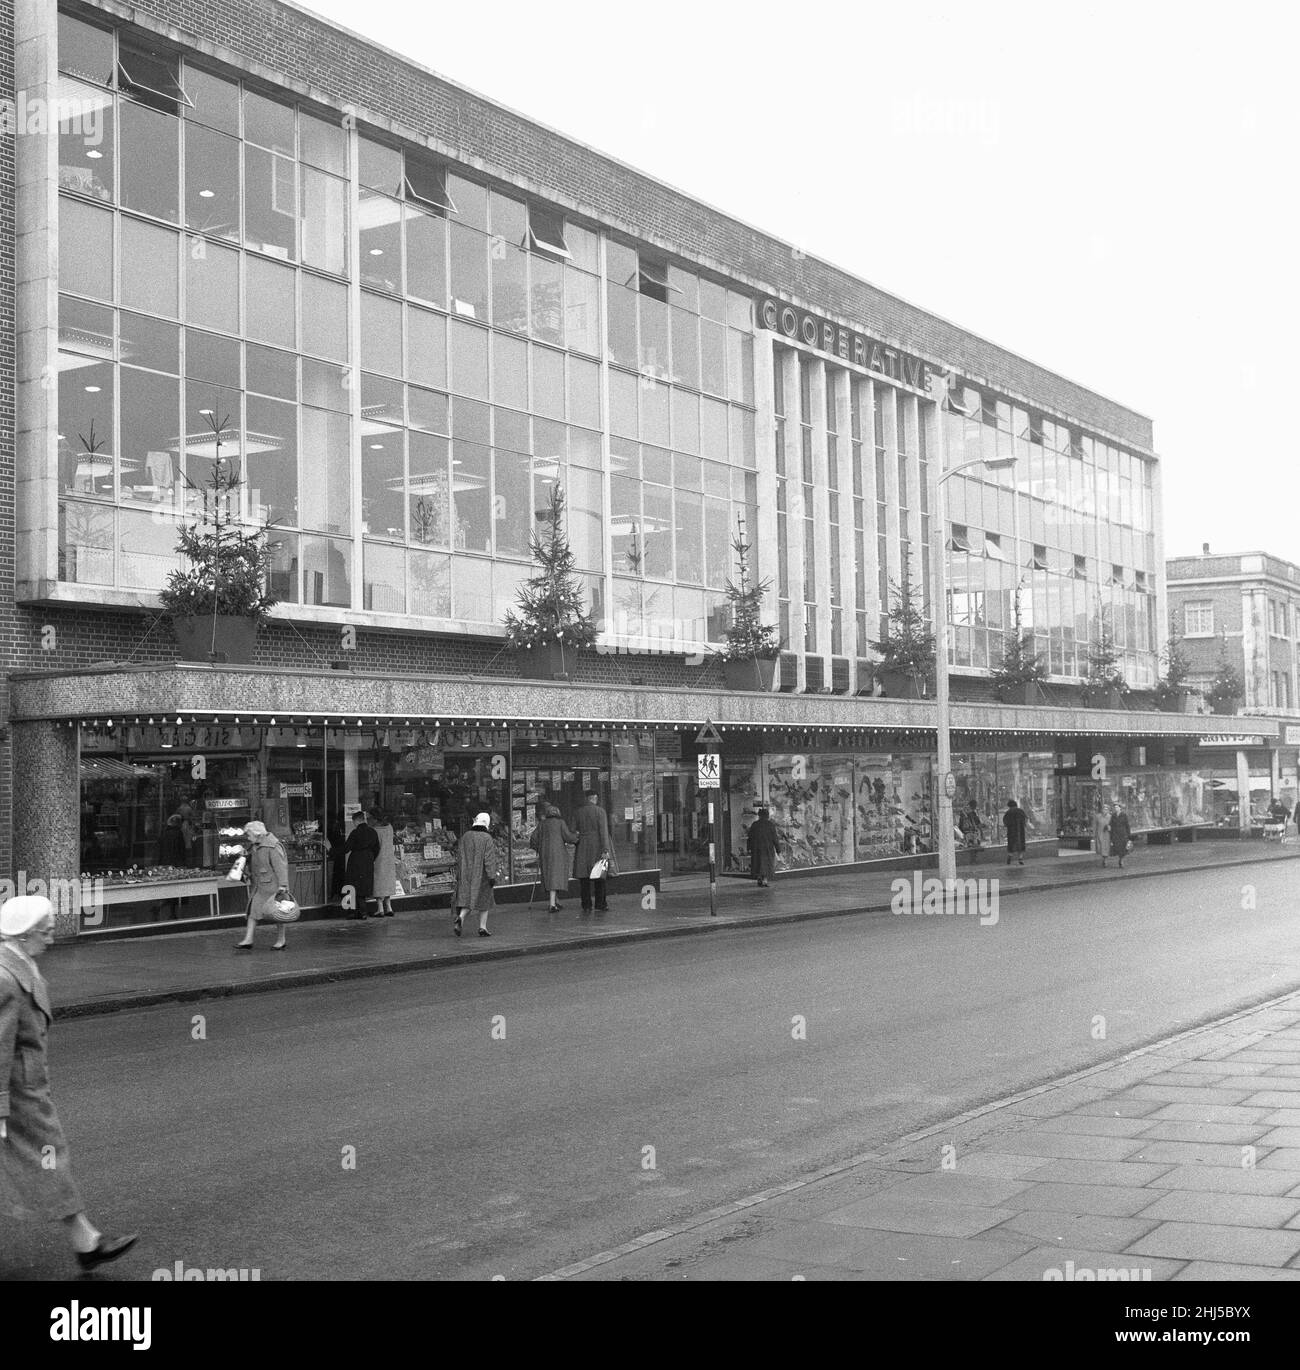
(161, 837)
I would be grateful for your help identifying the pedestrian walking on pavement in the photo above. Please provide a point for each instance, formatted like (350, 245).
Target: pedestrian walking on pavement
(477, 869)
(361, 847)
(1016, 823)
(1120, 834)
(764, 841)
(594, 842)
(1101, 832)
(549, 840)
(971, 826)
(35, 1167)
(385, 864)
(268, 880)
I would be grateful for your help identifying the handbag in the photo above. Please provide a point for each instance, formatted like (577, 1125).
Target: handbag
(284, 908)
(601, 867)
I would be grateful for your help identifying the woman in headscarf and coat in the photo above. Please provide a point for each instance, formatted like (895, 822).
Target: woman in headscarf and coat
(362, 847)
(548, 841)
(763, 844)
(385, 864)
(35, 1168)
(477, 869)
(268, 880)
(1120, 834)
(1101, 832)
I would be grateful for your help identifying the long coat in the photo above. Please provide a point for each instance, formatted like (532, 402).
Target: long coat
(27, 1185)
(268, 871)
(1016, 824)
(593, 839)
(763, 842)
(362, 847)
(1120, 833)
(1101, 834)
(385, 863)
(552, 835)
(476, 871)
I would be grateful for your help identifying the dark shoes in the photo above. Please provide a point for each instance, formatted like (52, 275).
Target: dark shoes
(602, 908)
(483, 932)
(106, 1249)
(455, 925)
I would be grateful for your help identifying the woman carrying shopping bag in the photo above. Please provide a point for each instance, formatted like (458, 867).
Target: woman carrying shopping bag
(268, 884)
(549, 840)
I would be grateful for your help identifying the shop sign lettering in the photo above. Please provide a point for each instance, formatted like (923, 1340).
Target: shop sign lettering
(846, 343)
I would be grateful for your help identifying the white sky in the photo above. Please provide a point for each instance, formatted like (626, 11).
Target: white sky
(1108, 189)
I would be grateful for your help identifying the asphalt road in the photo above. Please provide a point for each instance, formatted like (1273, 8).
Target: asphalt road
(494, 1119)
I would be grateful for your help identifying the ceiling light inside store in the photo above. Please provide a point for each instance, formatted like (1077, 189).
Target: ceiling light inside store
(94, 154)
(207, 194)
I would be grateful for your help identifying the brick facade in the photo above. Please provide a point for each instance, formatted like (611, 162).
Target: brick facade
(1255, 601)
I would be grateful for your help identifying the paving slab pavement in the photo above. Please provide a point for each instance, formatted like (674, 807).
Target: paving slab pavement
(1071, 1181)
(91, 974)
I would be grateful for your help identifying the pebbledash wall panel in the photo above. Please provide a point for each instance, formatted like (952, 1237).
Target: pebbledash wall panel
(279, 40)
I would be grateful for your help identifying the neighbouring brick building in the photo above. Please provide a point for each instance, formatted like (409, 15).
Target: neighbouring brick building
(1245, 608)
(235, 232)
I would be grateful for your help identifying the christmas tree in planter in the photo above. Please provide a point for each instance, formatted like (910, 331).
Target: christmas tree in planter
(907, 658)
(749, 658)
(1105, 685)
(1017, 679)
(552, 622)
(1226, 691)
(217, 601)
(1173, 695)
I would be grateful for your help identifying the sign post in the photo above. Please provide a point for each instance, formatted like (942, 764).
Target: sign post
(709, 777)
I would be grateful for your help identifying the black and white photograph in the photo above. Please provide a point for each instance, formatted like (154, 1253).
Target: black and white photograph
(649, 646)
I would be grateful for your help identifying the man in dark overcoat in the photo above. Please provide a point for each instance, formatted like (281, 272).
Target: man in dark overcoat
(763, 843)
(361, 847)
(592, 826)
(35, 1168)
(1015, 822)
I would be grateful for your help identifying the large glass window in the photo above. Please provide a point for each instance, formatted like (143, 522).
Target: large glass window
(150, 161)
(211, 182)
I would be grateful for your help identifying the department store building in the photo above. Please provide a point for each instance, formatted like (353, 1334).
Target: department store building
(243, 233)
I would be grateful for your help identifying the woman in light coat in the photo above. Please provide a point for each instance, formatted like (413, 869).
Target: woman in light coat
(1101, 833)
(385, 863)
(31, 1136)
(268, 880)
(477, 869)
(549, 840)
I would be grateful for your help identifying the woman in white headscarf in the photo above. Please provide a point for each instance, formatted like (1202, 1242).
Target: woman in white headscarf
(268, 880)
(30, 1132)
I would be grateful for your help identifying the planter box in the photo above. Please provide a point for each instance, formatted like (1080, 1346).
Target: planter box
(234, 641)
(552, 662)
(1103, 699)
(758, 673)
(901, 684)
(1224, 706)
(1026, 692)
(1179, 702)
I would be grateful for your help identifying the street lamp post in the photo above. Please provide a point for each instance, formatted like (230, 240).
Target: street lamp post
(947, 847)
